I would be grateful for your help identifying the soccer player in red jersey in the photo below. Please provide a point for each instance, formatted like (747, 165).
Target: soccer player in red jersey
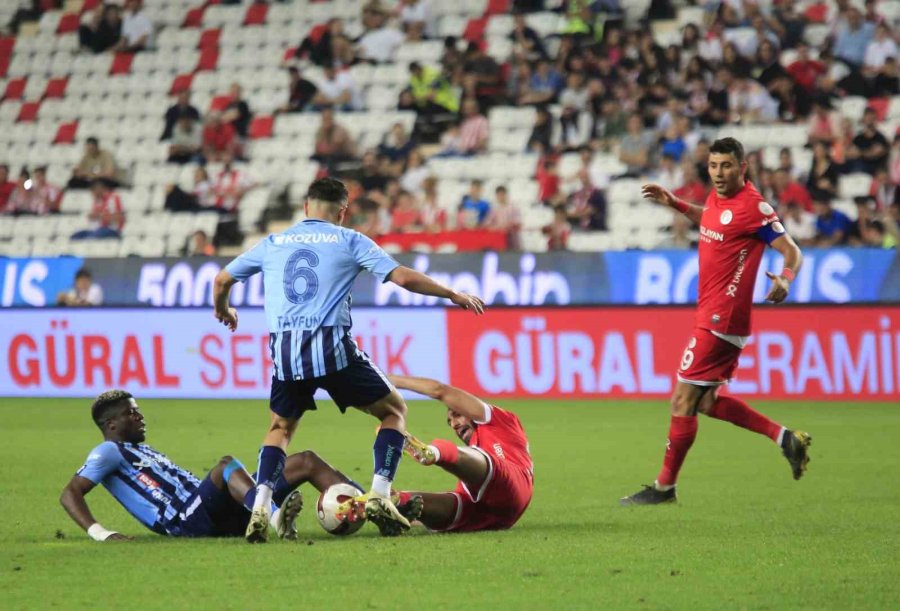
(495, 472)
(735, 225)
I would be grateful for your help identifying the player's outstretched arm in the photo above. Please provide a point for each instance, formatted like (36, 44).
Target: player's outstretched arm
(221, 294)
(418, 282)
(793, 258)
(460, 401)
(72, 500)
(664, 196)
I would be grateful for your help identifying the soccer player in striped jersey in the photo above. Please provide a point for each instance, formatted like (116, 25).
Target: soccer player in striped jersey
(308, 271)
(170, 500)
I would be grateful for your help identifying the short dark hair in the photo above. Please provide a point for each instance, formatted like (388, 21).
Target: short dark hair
(500, 189)
(106, 403)
(83, 273)
(328, 190)
(728, 146)
(93, 140)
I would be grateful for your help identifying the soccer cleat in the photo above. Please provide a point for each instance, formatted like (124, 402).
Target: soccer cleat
(381, 512)
(258, 527)
(285, 525)
(795, 447)
(649, 496)
(412, 509)
(419, 450)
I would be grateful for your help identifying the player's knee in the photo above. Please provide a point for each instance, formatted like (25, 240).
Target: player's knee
(681, 404)
(706, 404)
(223, 462)
(283, 426)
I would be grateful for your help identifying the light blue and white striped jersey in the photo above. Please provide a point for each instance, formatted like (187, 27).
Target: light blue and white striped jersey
(145, 482)
(308, 271)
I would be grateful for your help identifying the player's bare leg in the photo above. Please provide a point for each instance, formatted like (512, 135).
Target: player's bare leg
(437, 510)
(468, 465)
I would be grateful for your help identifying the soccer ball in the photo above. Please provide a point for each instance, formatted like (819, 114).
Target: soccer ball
(327, 505)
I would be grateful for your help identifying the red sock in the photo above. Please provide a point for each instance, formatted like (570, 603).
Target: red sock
(682, 431)
(738, 413)
(449, 451)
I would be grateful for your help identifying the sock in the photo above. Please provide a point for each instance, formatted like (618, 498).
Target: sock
(447, 452)
(387, 451)
(682, 431)
(738, 413)
(281, 491)
(250, 501)
(271, 464)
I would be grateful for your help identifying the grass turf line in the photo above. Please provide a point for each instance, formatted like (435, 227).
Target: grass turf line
(743, 535)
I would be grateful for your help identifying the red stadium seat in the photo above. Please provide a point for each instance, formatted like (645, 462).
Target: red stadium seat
(121, 63)
(7, 44)
(317, 32)
(474, 31)
(182, 82)
(289, 54)
(4, 65)
(880, 106)
(209, 58)
(65, 133)
(209, 38)
(194, 18)
(56, 87)
(29, 112)
(89, 5)
(497, 7)
(15, 88)
(816, 13)
(220, 103)
(261, 127)
(68, 23)
(256, 14)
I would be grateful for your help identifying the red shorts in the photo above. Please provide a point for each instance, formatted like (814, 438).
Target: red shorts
(499, 503)
(708, 360)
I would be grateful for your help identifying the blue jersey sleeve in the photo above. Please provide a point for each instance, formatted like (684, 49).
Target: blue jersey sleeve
(103, 460)
(372, 257)
(248, 263)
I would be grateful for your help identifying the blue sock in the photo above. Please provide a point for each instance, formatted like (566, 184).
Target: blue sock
(271, 464)
(250, 499)
(281, 491)
(387, 451)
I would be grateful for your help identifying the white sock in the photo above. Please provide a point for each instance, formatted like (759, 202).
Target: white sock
(381, 486)
(437, 453)
(781, 436)
(662, 488)
(263, 498)
(274, 519)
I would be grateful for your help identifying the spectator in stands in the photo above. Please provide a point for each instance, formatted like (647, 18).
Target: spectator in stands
(6, 188)
(692, 189)
(506, 217)
(473, 209)
(396, 148)
(472, 135)
(405, 216)
(749, 102)
(186, 143)
(788, 191)
(882, 48)
(380, 41)
(452, 59)
(636, 148)
(416, 18)
(237, 112)
(96, 163)
(198, 245)
(137, 28)
(85, 292)
(434, 217)
(574, 101)
(219, 138)
(301, 92)
(103, 30)
(200, 197)
(373, 176)
(669, 174)
(481, 76)
(852, 38)
(873, 148)
(867, 229)
(45, 197)
(229, 187)
(363, 217)
(823, 124)
(799, 223)
(431, 90)
(415, 172)
(717, 107)
(337, 90)
(832, 225)
(107, 216)
(20, 198)
(527, 44)
(805, 70)
(679, 237)
(786, 163)
(887, 81)
(558, 230)
(549, 181)
(333, 142)
(540, 140)
(885, 191)
(544, 86)
(822, 180)
(586, 207)
(327, 46)
(181, 109)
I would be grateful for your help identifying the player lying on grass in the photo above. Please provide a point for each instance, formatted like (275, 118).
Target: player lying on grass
(735, 225)
(495, 471)
(169, 499)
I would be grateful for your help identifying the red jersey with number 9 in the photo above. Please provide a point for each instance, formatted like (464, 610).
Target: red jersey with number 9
(734, 232)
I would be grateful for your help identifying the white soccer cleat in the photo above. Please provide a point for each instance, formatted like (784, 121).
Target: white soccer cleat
(258, 527)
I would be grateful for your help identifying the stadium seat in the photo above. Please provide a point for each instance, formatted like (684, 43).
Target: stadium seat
(28, 112)
(56, 87)
(68, 22)
(15, 88)
(261, 127)
(121, 63)
(65, 133)
(209, 38)
(256, 14)
(854, 185)
(209, 59)
(194, 17)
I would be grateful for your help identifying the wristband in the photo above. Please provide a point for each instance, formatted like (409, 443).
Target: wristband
(788, 274)
(681, 206)
(98, 533)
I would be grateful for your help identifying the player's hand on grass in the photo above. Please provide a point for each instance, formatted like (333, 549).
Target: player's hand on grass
(468, 302)
(229, 318)
(655, 192)
(119, 537)
(779, 290)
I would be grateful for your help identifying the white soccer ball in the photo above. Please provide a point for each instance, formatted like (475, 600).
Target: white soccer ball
(327, 506)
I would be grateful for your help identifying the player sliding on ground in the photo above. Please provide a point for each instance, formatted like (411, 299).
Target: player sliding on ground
(496, 475)
(308, 271)
(169, 499)
(735, 225)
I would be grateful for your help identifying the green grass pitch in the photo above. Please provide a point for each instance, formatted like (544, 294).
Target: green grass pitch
(744, 534)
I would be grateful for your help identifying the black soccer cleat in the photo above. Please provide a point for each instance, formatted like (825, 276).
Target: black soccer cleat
(795, 447)
(412, 509)
(649, 496)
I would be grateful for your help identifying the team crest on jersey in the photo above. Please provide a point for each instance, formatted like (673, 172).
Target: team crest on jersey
(766, 208)
(726, 217)
(777, 227)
